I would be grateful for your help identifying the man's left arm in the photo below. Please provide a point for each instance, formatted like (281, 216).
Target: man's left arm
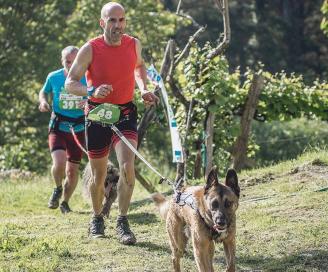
(140, 75)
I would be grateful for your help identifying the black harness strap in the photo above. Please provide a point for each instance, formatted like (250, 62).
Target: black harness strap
(57, 118)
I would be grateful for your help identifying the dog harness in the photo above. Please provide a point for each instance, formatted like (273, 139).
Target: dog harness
(182, 199)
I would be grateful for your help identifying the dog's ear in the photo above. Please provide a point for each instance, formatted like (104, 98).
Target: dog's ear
(232, 181)
(212, 179)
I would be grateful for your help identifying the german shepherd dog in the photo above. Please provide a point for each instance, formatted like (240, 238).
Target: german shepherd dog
(207, 214)
(110, 185)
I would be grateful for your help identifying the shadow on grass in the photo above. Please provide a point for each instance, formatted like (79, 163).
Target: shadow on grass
(139, 203)
(154, 247)
(143, 218)
(311, 260)
(146, 201)
(89, 212)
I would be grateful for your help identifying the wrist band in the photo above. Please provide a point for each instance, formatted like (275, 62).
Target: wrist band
(90, 91)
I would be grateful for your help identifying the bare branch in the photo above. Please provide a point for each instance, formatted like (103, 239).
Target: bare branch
(172, 67)
(178, 7)
(185, 153)
(175, 89)
(219, 4)
(177, 93)
(167, 60)
(223, 7)
(150, 115)
(188, 45)
(209, 141)
(187, 16)
(190, 111)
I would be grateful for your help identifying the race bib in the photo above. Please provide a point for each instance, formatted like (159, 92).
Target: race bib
(69, 101)
(105, 113)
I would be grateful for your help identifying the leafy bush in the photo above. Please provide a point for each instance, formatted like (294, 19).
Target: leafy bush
(278, 141)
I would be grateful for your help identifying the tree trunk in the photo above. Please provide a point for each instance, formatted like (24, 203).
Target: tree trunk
(209, 141)
(198, 161)
(148, 186)
(239, 152)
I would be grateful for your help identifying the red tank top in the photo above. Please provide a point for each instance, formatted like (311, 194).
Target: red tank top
(113, 65)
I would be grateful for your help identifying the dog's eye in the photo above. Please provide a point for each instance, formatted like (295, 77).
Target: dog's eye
(227, 203)
(215, 204)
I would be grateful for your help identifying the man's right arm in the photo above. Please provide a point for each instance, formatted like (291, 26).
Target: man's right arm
(77, 71)
(43, 100)
(44, 96)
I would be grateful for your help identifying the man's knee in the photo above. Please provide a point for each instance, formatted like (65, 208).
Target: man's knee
(98, 177)
(127, 172)
(72, 173)
(59, 167)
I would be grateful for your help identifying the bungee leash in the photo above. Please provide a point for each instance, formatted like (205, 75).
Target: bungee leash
(136, 152)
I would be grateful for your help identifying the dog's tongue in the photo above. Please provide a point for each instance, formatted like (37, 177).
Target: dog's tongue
(218, 228)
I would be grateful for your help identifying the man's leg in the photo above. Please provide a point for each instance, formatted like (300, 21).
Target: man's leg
(58, 173)
(126, 183)
(99, 171)
(72, 177)
(71, 180)
(74, 156)
(98, 150)
(125, 158)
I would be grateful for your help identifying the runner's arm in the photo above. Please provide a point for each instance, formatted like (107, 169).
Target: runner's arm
(43, 100)
(140, 74)
(77, 71)
(44, 96)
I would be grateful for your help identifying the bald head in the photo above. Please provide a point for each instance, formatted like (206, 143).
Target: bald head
(107, 8)
(113, 23)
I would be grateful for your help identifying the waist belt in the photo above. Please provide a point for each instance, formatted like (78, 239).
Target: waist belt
(126, 111)
(57, 118)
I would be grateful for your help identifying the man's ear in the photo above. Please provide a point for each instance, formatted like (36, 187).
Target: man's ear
(232, 181)
(212, 179)
(102, 22)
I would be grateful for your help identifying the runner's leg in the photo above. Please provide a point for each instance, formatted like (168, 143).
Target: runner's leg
(126, 182)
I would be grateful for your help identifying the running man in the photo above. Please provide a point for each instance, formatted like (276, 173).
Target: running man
(66, 115)
(112, 63)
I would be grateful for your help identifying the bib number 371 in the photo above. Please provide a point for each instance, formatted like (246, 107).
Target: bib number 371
(70, 102)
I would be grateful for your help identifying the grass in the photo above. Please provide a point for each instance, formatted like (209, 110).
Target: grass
(282, 226)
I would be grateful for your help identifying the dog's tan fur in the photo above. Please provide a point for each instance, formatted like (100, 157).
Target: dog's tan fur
(217, 204)
(110, 185)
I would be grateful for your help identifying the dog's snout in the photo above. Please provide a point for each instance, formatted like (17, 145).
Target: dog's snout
(221, 220)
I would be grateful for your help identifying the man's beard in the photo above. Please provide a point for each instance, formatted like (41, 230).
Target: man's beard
(114, 36)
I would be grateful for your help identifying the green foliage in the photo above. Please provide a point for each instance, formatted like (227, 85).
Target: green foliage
(298, 134)
(149, 22)
(285, 97)
(32, 35)
(324, 22)
(35, 238)
(284, 35)
(214, 89)
(146, 20)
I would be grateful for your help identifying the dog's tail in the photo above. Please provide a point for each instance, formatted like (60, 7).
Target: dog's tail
(161, 203)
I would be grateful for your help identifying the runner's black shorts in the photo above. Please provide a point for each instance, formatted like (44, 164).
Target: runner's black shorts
(101, 138)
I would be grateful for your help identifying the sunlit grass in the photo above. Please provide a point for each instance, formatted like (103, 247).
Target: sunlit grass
(285, 231)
